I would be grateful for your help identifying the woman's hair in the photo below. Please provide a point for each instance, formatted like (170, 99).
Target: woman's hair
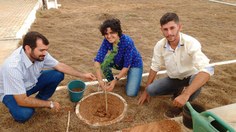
(31, 37)
(114, 24)
(169, 17)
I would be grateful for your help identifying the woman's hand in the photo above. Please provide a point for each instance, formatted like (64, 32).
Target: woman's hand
(102, 84)
(110, 86)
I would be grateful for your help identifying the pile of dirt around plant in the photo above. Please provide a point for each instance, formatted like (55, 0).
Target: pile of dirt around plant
(93, 108)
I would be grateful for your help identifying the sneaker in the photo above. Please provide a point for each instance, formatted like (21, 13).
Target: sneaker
(173, 112)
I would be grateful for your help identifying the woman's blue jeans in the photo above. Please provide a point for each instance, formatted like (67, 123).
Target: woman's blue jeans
(165, 86)
(46, 86)
(134, 78)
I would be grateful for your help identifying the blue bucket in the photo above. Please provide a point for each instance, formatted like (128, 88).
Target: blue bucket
(76, 90)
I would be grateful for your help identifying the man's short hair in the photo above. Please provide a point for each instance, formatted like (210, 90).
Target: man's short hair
(114, 24)
(31, 37)
(169, 17)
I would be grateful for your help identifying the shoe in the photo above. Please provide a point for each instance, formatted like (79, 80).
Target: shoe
(174, 112)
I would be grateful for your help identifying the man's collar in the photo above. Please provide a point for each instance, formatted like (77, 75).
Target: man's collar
(26, 59)
(181, 42)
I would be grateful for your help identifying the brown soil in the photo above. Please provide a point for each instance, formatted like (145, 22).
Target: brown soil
(77, 89)
(93, 108)
(161, 126)
(74, 39)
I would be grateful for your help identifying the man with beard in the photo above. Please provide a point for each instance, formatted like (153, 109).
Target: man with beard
(26, 72)
(186, 65)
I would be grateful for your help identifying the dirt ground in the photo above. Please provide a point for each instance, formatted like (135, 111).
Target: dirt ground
(97, 110)
(74, 39)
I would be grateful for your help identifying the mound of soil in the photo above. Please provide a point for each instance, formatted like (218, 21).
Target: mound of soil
(160, 126)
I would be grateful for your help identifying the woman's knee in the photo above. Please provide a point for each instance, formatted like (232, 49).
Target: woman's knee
(132, 88)
(134, 80)
(131, 93)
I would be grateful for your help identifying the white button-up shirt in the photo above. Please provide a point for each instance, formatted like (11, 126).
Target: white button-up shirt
(187, 59)
(18, 74)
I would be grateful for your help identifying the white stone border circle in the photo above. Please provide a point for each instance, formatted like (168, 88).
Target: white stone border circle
(97, 124)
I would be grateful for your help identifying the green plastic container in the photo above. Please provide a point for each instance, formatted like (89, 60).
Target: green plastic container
(187, 118)
(208, 122)
(76, 90)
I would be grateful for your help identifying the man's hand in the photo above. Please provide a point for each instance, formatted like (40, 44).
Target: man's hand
(143, 98)
(181, 100)
(25, 101)
(56, 106)
(89, 76)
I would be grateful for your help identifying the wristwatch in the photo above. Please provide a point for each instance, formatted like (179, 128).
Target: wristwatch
(117, 79)
(51, 104)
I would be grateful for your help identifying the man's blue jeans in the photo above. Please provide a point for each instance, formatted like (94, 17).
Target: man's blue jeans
(134, 78)
(46, 86)
(165, 86)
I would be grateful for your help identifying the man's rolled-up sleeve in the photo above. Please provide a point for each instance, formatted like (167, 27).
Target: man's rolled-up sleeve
(200, 60)
(157, 59)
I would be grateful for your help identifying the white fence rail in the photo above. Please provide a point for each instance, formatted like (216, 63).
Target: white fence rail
(222, 2)
(160, 72)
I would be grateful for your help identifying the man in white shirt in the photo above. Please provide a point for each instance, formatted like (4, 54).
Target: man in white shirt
(23, 74)
(186, 65)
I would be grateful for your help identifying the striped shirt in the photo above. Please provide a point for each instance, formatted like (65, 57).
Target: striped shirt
(18, 74)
